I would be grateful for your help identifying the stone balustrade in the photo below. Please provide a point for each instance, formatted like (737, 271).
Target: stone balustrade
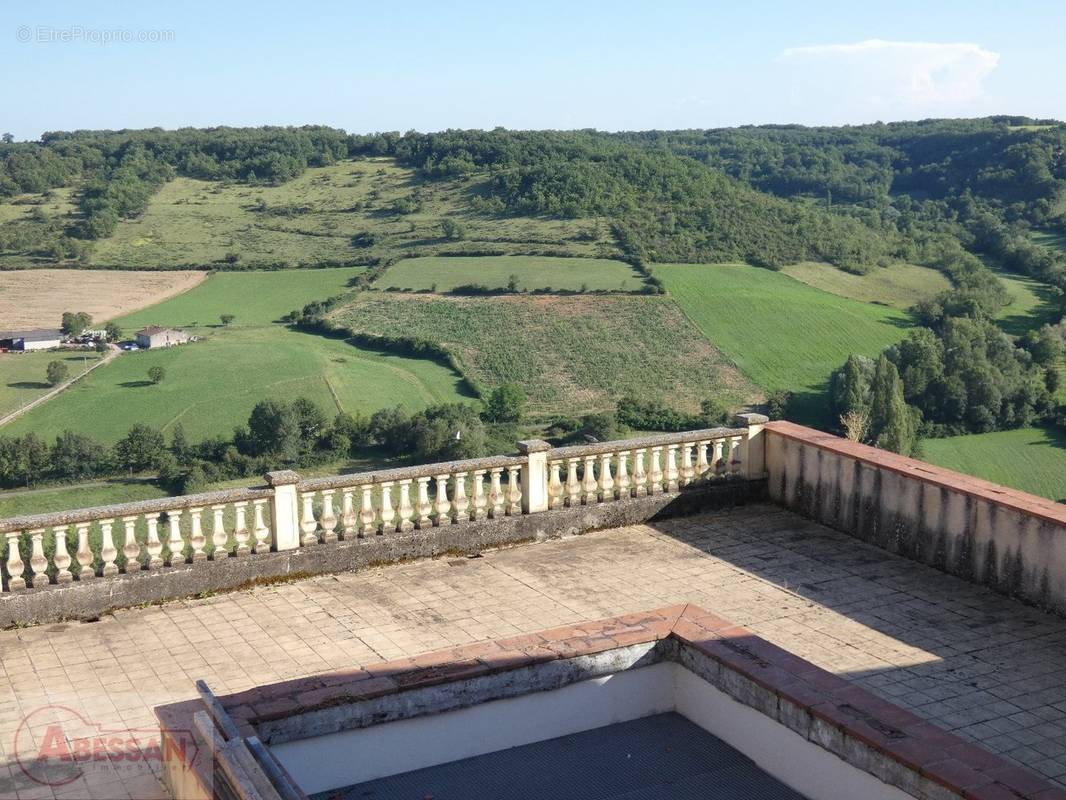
(42, 552)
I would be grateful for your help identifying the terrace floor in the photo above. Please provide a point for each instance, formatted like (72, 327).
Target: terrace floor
(980, 665)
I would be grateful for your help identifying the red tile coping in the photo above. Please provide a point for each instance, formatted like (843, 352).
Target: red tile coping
(920, 746)
(928, 473)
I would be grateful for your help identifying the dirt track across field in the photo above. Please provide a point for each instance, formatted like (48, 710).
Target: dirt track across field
(37, 298)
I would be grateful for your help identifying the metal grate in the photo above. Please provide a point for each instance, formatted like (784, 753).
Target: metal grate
(662, 757)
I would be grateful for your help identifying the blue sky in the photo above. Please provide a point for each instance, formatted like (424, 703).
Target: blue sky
(610, 65)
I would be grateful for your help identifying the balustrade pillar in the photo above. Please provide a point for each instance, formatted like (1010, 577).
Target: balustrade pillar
(702, 466)
(443, 506)
(496, 510)
(534, 475)
(15, 567)
(219, 537)
(734, 455)
(753, 449)
(606, 490)
(196, 535)
(308, 523)
(387, 514)
(329, 517)
(671, 468)
(108, 551)
(175, 544)
(640, 477)
(84, 554)
(622, 480)
(367, 517)
(425, 507)
(719, 460)
(479, 504)
(573, 486)
(38, 563)
(655, 475)
(349, 519)
(555, 486)
(61, 558)
(131, 549)
(406, 509)
(460, 503)
(152, 544)
(241, 534)
(259, 527)
(514, 491)
(688, 472)
(285, 509)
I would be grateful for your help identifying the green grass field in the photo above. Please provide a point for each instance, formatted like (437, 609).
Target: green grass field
(900, 285)
(1030, 459)
(211, 385)
(571, 354)
(22, 375)
(1031, 305)
(532, 272)
(1051, 237)
(781, 333)
(312, 220)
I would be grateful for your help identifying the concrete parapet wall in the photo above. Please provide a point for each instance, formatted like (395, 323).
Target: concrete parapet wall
(1008, 540)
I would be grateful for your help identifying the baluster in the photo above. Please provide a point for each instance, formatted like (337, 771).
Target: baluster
(38, 563)
(606, 488)
(175, 544)
(459, 503)
(719, 463)
(349, 519)
(688, 472)
(734, 455)
(514, 492)
(15, 567)
(573, 486)
(153, 545)
(329, 517)
(622, 479)
(640, 477)
(588, 485)
(701, 459)
(196, 535)
(108, 551)
(219, 537)
(425, 508)
(367, 516)
(480, 505)
(555, 486)
(84, 554)
(496, 493)
(443, 506)
(61, 558)
(308, 523)
(655, 475)
(131, 549)
(387, 514)
(671, 468)
(406, 509)
(259, 529)
(240, 528)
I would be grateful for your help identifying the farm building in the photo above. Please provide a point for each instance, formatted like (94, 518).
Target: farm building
(39, 339)
(155, 336)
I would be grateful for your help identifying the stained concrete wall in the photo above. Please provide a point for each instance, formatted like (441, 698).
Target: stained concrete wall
(1008, 540)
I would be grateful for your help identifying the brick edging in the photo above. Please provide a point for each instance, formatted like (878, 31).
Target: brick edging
(927, 750)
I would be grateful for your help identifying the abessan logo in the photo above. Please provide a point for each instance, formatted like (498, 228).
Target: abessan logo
(56, 745)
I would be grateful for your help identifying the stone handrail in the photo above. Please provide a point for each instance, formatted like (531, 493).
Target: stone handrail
(42, 551)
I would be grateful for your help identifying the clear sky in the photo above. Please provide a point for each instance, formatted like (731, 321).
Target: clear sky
(374, 66)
